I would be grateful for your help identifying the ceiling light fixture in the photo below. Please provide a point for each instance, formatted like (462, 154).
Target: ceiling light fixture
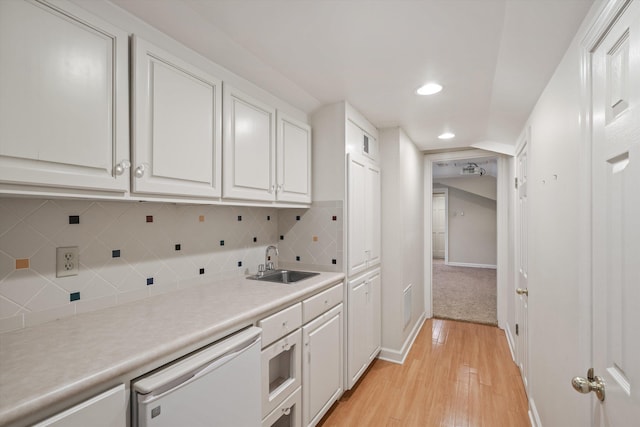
(447, 135)
(429, 89)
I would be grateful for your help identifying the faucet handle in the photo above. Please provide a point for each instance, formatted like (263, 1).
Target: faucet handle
(270, 265)
(260, 268)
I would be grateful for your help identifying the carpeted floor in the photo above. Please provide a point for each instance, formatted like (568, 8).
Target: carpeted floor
(464, 293)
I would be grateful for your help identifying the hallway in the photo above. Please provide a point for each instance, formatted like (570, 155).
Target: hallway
(456, 374)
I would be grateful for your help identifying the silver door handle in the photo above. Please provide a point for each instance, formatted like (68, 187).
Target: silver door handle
(521, 291)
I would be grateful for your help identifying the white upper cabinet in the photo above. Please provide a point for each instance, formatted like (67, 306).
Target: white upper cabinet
(64, 97)
(177, 121)
(364, 215)
(261, 163)
(249, 147)
(294, 160)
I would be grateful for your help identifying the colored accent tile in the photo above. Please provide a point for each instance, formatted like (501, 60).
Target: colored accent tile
(255, 239)
(315, 238)
(22, 263)
(281, 237)
(334, 261)
(201, 218)
(221, 242)
(239, 217)
(115, 253)
(334, 218)
(239, 263)
(74, 296)
(202, 271)
(149, 218)
(297, 217)
(297, 258)
(150, 281)
(74, 219)
(178, 247)
(268, 217)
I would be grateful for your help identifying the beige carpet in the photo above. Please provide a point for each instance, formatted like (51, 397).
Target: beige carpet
(464, 293)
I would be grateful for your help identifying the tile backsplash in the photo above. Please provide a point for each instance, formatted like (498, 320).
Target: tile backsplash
(312, 238)
(129, 251)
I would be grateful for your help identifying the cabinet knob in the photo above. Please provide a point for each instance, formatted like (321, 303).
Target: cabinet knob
(272, 189)
(139, 173)
(286, 411)
(122, 166)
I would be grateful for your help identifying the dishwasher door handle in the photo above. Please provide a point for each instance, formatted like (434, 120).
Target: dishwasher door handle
(193, 367)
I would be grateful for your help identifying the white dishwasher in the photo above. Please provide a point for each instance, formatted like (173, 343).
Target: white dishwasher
(216, 386)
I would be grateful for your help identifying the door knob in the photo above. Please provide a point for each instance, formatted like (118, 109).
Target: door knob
(521, 291)
(589, 384)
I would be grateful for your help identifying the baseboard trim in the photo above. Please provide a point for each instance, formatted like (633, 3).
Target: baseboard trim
(396, 356)
(511, 341)
(533, 415)
(466, 264)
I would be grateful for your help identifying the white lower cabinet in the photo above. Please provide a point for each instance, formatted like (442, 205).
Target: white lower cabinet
(303, 371)
(108, 409)
(364, 329)
(322, 364)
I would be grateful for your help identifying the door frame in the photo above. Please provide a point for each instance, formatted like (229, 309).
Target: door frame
(444, 191)
(502, 207)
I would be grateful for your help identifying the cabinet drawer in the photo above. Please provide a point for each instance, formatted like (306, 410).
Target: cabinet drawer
(318, 304)
(288, 414)
(280, 324)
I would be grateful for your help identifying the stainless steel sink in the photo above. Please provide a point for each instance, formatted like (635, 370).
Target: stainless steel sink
(283, 276)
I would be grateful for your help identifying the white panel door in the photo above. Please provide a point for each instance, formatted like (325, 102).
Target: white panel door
(64, 106)
(322, 364)
(616, 219)
(372, 215)
(375, 314)
(359, 324)
(357, 207)
(439, 225)
(249, 147)
(177, 125)
(294, 160)
(522, 241)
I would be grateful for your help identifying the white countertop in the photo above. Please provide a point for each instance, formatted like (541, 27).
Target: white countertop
(55, 361)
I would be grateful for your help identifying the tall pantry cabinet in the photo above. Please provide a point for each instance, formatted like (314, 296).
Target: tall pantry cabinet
(342, 136)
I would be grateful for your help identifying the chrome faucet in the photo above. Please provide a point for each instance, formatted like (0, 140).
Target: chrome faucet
(269, 264)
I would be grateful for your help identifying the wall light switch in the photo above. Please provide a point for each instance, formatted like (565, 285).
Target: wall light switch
(67, 261)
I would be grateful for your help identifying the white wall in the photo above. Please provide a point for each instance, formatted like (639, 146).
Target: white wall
(472, 229)
(402, 240)
(558, 348)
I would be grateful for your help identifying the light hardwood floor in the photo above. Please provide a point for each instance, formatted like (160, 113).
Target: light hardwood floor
(456, 374)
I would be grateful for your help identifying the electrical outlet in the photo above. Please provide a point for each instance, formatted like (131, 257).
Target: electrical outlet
(67, 261)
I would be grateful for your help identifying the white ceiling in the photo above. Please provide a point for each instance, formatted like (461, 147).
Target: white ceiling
(493, 57)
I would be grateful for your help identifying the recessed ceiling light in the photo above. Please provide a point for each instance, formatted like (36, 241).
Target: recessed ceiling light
(429, 89)
(447, 135)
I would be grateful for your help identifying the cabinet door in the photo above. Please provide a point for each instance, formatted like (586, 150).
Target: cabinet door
(108, 409)
(177, 125)
(359, 319)
(64, 108)
(321, 365)
(249, 147)
(374, 312)
(294, 160)
(357, 208)
(372, 215)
